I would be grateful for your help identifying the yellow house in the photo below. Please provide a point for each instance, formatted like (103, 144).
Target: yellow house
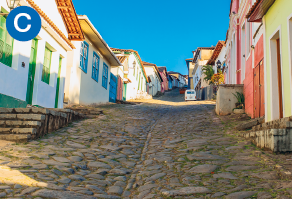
(276, 17)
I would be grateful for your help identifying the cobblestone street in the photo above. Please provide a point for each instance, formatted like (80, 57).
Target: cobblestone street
(162, 148)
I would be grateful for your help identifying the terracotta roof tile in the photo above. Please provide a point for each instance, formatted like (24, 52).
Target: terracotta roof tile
(156, 68)
(67, 11)
(216, 52)
(133, 51)
(50, 22)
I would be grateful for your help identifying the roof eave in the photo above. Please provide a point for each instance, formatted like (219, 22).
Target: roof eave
(115, 61)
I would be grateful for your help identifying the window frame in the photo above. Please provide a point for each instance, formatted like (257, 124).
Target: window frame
(82, 57)
(6, 60)
(46, 78)
(105, 75)
(95, 67)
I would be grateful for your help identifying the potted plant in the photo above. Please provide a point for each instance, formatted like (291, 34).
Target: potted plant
(239, 105)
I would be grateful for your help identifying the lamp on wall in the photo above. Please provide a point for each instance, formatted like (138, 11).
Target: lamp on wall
(218, 64)
(11, 5)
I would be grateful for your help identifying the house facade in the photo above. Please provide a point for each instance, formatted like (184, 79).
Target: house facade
(89, 68)
(135, 78)
(175, 82)
(276, 18)
(245, 57)
(163, 74)
(34, 72)
(155, 79)
(182, 80)
(201, 57)
(190, 66)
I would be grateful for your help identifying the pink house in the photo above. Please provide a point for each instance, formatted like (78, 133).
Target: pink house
(164, 84)
(245, 55)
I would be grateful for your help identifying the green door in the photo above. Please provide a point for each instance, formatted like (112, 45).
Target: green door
(125, 92)
(31, 71)
(58, 83)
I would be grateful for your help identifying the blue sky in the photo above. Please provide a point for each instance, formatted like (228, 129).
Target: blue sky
(164, 32)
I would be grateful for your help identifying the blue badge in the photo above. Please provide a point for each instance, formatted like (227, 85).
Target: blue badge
(23, 23)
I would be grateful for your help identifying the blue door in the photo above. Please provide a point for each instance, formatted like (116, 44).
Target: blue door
(113, 88)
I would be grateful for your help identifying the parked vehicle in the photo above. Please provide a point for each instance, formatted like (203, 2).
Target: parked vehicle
(190, 95)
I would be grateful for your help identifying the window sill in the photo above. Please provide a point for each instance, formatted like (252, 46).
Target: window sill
(94, 79)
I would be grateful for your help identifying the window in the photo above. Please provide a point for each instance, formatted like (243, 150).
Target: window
(84, 56)
(95, 67)
(47, 66)
(6, 44)
(248, 39)
(104, 75)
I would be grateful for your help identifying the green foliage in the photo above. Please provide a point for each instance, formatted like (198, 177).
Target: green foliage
(208, 72)
(240, 97)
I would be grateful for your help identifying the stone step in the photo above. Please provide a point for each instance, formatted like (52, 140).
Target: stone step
(16, 137)
(24, 111)
(277, 124)
(19, 124)
(30, 131)
(23, 117)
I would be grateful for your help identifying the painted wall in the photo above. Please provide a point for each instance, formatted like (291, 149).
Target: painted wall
(164, 84)
(155, 84)
(13, 80)
(132, 88)
(278, 19)
(81, 88)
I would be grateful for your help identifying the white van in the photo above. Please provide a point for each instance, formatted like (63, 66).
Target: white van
(190, 95)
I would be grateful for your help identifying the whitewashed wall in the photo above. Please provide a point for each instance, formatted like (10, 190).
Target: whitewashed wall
(132, 88)
(81, 88)
(155, 84)
(13, 80)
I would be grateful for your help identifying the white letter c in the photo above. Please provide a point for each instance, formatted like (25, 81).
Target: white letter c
(16, 22)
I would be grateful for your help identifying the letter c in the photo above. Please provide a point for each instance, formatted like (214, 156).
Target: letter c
(16, 22)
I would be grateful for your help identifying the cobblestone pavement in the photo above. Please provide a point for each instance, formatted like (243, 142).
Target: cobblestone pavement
(163, 148)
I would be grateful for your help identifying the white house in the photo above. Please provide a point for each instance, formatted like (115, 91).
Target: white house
(201, 57)
(182, 79)
(89, 67)
(154, 76)
(34, 72)
(175, 82)
(135, 75)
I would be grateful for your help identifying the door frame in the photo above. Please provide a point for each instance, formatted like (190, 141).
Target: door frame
(32, 66)
(58, 82)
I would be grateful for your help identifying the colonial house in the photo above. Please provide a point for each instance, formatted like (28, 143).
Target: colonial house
(164, 84)
(135, 78)
(244, 56)
(175, 82)
(218, 56)
(191, 67)
(34, 72)
(275, 19)
(88, 79)
(182, 80)
(201, 57)
(154, 77)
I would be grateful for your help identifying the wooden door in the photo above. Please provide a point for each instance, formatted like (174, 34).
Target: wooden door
(256, 89)
(262, 89)
(279, 79)
(259, 90)
(113, 88)
(31, 71)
